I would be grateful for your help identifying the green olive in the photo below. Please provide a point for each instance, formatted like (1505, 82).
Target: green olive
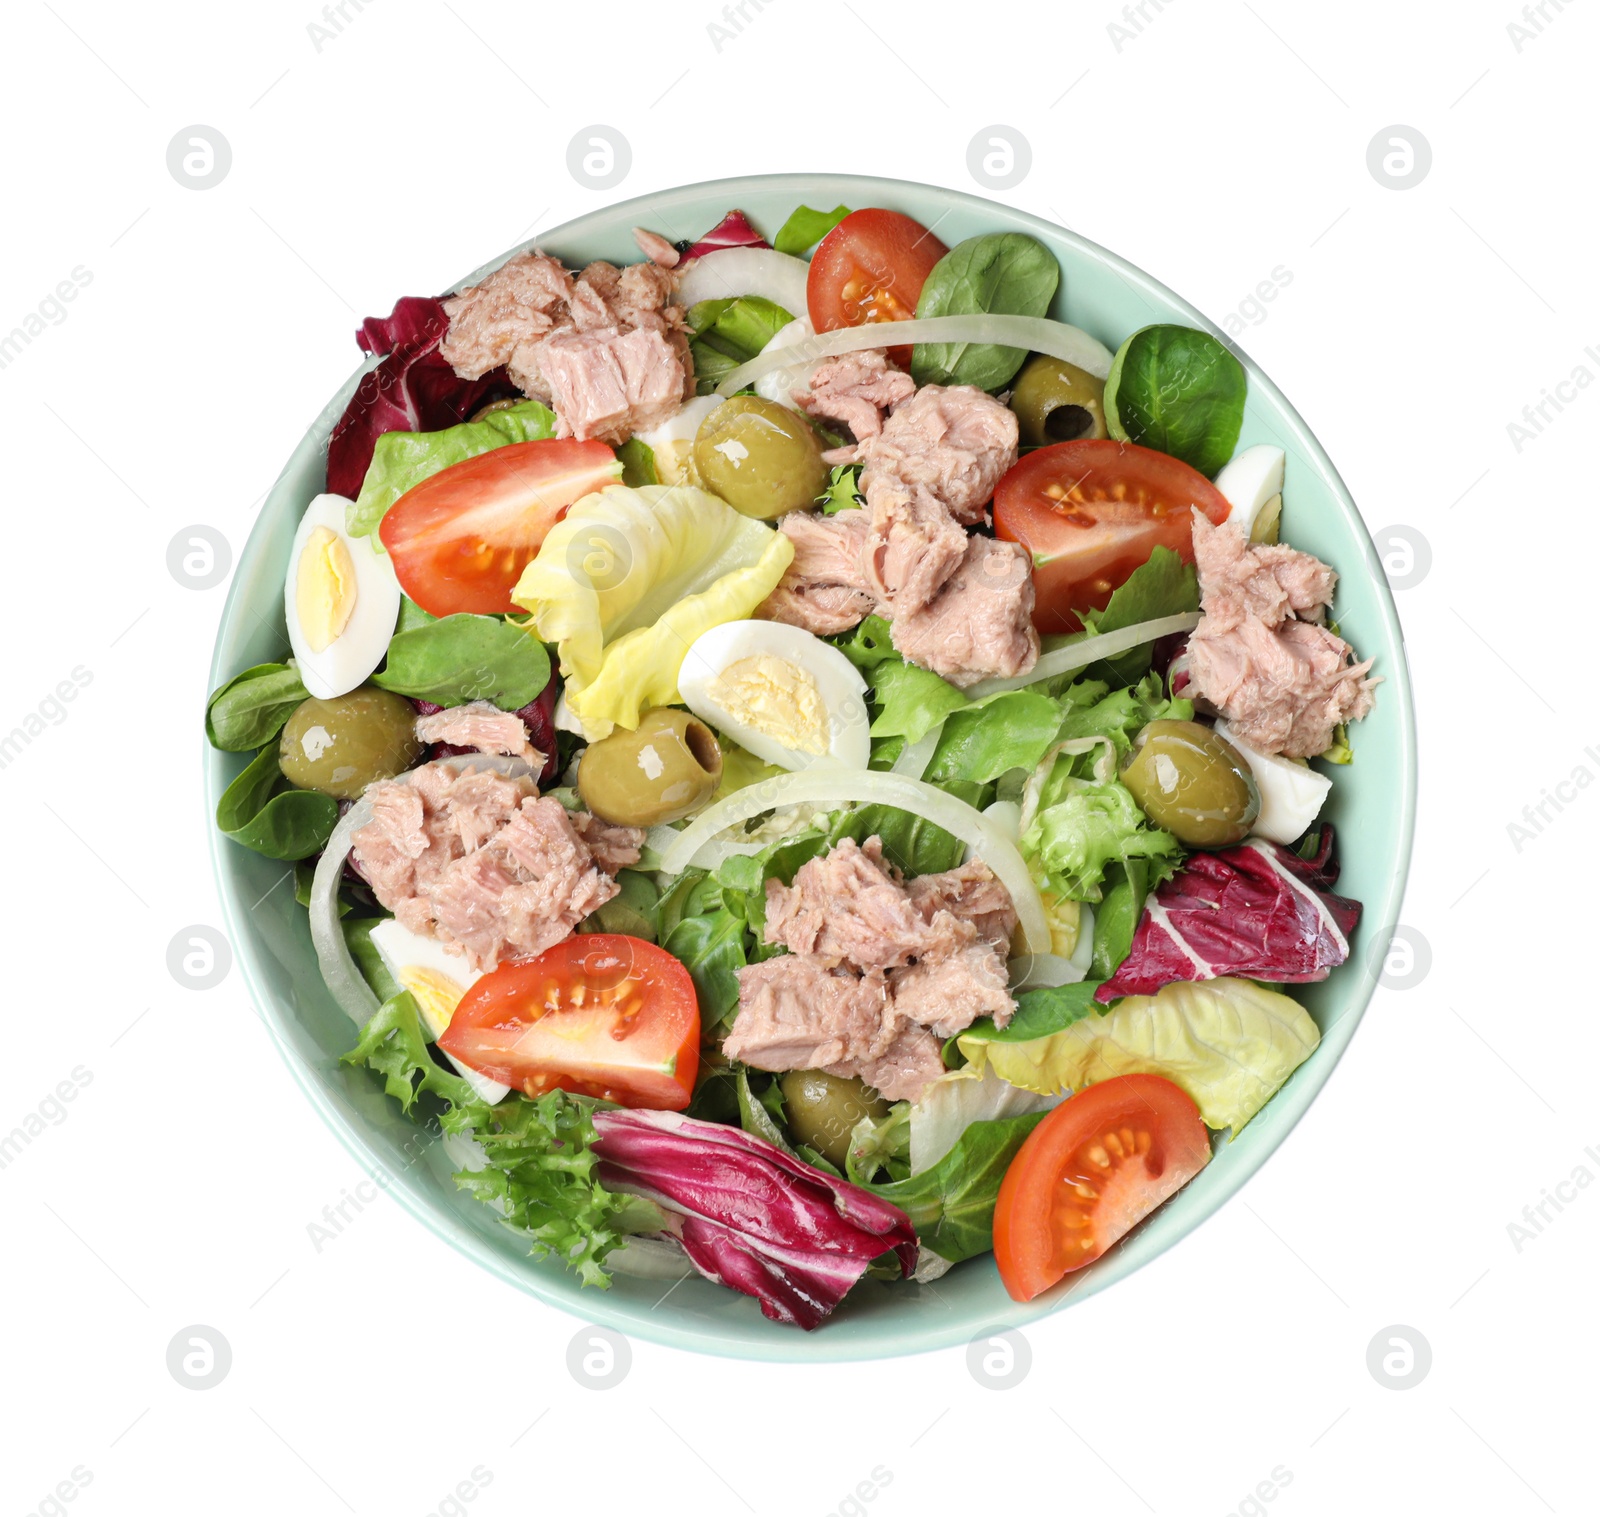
(341, 746)
(665, 768)
(760, 457)
(1056, 401)
(1192, 783)
(823, 1109)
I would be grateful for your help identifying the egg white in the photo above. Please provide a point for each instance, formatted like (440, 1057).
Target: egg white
(839, 684)
(404, 953)
(360, 648)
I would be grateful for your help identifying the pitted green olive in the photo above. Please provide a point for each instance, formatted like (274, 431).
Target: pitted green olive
(760, 457)
(341, 746)
(823, 1109)
(1056, 401)
(665, 768)
(1192, 783)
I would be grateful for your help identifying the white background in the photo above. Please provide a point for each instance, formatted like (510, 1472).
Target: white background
(1219, 141)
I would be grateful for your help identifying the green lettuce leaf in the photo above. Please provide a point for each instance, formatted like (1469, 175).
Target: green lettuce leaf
(843, 492)
(952, 1205)
(869, 644)
(911, 701)
(1082, 826)
(737, 327)
(1229, 1044)
(805, 228)
(403, 459)
(1008, 731)
(1164, 585)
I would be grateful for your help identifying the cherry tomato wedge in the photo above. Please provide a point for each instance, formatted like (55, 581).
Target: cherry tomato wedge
(601, 1014)
(1091, 512)
(871, 267)
(1099, 1163)
(461, 539)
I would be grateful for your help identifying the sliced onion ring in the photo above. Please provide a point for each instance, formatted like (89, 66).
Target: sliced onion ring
(1035, 971)
(874, 787)
(1090, 650)
(1036, 334)
(726, 272)
(345, 982)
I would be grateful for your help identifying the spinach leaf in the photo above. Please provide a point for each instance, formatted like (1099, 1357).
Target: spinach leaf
(634, 910)
(466, 658)
(403, 459)
(1005, 272)
(738, 327)
(252, 707)
(638, 461)
(710, 366)
(805, 228)
(711, 948)
(1039, 1014)
(952, 1205)
(412, 616)
(280, 823)
(1117, 916)
(1177, 390)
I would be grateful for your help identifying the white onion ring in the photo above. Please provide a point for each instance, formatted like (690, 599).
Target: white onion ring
(874, 787)
(345, 982)
(1035, 334)
(731, 272)
(1090, 650)
(1034, 971)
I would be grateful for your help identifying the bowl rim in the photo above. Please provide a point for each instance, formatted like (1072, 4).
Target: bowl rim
(880, 1341)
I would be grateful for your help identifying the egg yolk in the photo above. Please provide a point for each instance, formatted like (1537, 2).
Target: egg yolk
(324, 588)
(775, 697)
(436, 995)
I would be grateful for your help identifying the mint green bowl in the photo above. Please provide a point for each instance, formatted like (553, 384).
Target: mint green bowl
(1373, 806)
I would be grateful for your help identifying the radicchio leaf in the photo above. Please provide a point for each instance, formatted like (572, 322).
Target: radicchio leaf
(1258, 912)
(412, 390)
(733, 231)
(754, 1218)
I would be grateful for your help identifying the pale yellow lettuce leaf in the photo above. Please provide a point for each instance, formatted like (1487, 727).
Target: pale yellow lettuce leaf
(1228, 1043)
(629, 578)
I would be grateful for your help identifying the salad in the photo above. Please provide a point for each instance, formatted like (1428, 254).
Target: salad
(802, 767)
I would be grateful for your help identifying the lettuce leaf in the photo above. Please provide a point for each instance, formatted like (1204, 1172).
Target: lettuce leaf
(629, 579)
(952, 1103)
(805, 228)
(1011, 730)
(403, 459)
(1083, 826)
(1228, 1043)
(911, 701)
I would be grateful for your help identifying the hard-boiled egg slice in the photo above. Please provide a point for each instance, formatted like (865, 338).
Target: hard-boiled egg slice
(1292, 794)
(1252, 484)
(781, 384)
(437, 981)
(673, 441)
(341, 601)
(780, 692)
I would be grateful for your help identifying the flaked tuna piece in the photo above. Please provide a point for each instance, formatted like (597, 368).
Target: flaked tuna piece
(1270, 582)
(911, 1062)
(972, 891)
(947, 995)
(981, 621)
(478, 861)
(483, 728)
(613, 847)
(847, 908)
(952, 442)
(656, 248)
(1283, 683)
(795, 1012)
(606, 349)
(609, 384)
(856, 389)
(824, 588)
(1283, 689)
(913, 545)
